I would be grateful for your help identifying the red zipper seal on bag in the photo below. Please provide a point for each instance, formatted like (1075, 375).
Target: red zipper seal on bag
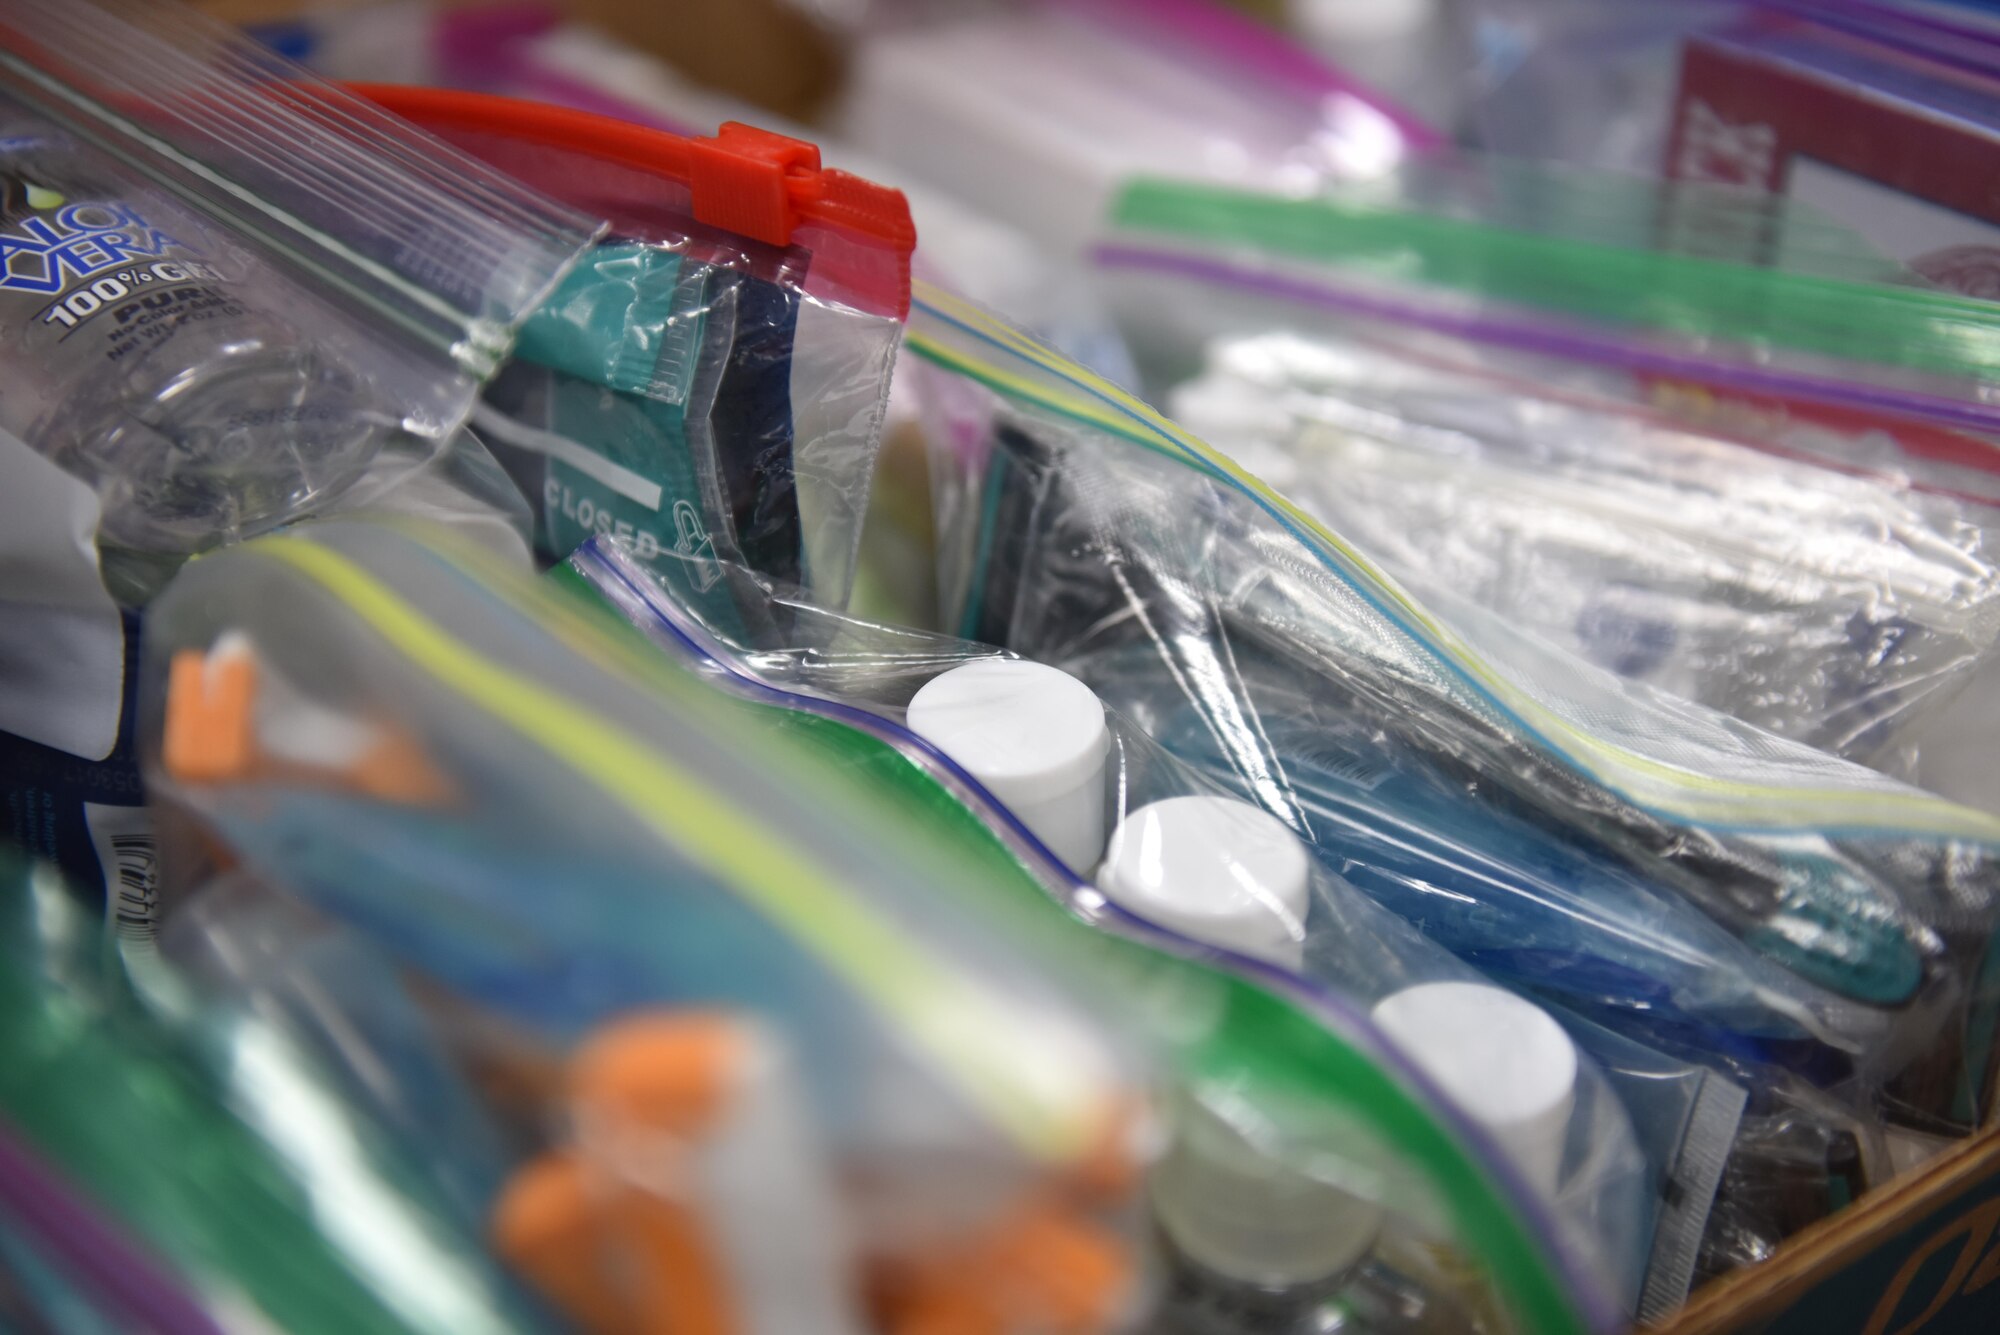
(765, 186)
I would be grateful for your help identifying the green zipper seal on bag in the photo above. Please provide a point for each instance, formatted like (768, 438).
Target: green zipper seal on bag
(1686, 296)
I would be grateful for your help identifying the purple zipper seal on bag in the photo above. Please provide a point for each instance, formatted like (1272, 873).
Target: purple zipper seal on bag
(91, 1251)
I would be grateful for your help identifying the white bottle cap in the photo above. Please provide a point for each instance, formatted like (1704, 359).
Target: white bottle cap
(1502, 1059)
(1221, 871)
(1035, 736)
(1239, 1213)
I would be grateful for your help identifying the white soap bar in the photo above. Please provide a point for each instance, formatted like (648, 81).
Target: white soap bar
(1035, 737)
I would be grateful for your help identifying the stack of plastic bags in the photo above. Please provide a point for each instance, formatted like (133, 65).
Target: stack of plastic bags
(1459, 820)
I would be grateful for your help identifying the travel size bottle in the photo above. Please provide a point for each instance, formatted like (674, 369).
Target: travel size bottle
(153, 358)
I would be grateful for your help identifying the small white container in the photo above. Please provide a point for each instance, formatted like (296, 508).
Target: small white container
(1035, 736)
(1214, 868)
(1237, 1213)
(1500, 1058)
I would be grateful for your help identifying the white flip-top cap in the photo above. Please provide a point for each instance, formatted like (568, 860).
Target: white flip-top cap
(1220, 870)
(1035, 736)
(1502, 1059)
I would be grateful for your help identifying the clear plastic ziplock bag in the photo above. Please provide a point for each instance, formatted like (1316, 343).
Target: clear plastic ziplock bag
(710, 382)
(234, 290)
(426, 763)
(1701, 1017)
(189, 1170)
(1098, 535)
(557, 826)
(1822, 572)
(1172, 849)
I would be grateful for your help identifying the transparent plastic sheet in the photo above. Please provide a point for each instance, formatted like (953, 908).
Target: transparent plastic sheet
(1035, 112)
(227, 297)
(1689, 1116)
(1563, 920)
(570, 877)
(711, 380)
(1811, 578)
(190, 1170)
(500, 886)
(465, 488)
(1605, 1187)
(1094, 532)
(1592, 81)
(576, 65)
